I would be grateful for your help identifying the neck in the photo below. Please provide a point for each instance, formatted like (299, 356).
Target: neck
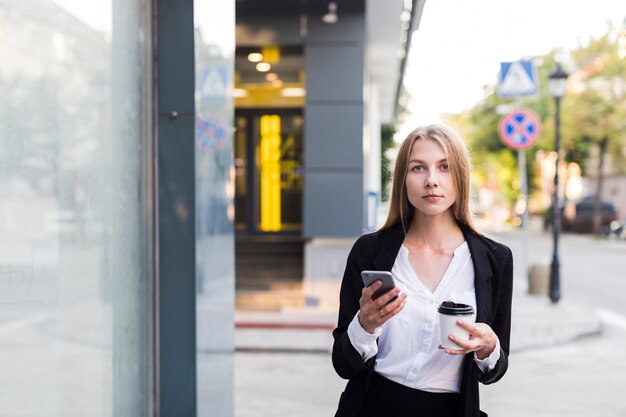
(437, 232)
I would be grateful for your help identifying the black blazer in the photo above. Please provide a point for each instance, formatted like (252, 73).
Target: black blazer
(493, 282)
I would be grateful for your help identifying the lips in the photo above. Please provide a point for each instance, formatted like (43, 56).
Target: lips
(432, 198)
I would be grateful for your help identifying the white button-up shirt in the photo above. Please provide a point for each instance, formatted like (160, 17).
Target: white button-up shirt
(407, 350)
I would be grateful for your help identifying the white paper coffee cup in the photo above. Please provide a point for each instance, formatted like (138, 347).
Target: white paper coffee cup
(449, 313)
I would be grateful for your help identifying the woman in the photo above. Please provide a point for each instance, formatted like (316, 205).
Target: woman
(388, 348)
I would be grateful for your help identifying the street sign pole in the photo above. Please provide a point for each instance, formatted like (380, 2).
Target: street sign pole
(523, 176)
(519, 129)
(523, 180)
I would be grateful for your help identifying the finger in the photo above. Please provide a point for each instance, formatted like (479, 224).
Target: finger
(453, 351)
(469, 345)
(386, 297)
(369, 291)
(471, 327)
(366, 296)
(396, 306)
(457, 352)
(389, 310)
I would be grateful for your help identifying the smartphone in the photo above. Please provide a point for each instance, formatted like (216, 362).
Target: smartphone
(369, 277)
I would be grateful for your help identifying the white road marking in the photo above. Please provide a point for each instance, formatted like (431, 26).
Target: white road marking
(612, 318)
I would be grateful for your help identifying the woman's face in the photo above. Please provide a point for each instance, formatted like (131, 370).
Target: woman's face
(429, 184)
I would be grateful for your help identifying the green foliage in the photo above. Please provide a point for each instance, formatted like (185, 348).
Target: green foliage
(593, 108)
(596, 108)
(386, 142)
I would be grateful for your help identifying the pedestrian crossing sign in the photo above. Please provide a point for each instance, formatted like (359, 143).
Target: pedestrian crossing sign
(517, 79)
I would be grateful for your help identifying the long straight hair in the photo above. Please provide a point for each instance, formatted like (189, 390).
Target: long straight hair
(400, 209)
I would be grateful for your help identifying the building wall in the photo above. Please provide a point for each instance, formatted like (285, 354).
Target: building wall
(333, 195)
(334, 126)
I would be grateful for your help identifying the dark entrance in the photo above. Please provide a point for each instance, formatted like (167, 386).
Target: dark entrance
(268, 206)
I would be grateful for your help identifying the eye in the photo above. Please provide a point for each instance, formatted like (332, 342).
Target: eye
(417, 168)
(445, 167)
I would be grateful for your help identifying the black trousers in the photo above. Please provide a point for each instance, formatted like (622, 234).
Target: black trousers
(386, 398)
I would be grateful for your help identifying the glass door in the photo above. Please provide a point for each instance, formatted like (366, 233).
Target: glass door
(268, 164)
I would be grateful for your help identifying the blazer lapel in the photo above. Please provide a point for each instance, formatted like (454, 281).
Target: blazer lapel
(388, 248)
(482, 276)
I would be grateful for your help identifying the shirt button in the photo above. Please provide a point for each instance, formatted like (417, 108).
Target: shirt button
(430, 301)
(413, 370)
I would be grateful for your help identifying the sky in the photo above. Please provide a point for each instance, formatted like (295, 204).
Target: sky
(459, 44)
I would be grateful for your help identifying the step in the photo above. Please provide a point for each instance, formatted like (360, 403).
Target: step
(275, 300)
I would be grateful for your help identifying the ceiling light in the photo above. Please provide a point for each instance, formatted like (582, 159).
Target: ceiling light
(255, 57)
(293, 92)
(271, 76)
(331, 17)
(240, 92)
(263, 67)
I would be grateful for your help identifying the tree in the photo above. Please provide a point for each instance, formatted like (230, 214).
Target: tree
(596, 112)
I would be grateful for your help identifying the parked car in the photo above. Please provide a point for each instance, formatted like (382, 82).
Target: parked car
(582, 222)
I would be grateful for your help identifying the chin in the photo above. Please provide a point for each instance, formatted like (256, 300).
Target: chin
(432, 210)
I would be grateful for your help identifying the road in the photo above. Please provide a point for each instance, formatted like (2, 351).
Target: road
(584, 378)
(593, 270)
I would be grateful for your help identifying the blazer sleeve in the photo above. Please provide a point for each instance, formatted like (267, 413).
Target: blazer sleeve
(503, 295)
(346, 360)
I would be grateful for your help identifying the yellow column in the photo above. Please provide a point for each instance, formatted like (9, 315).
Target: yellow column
(269, 168)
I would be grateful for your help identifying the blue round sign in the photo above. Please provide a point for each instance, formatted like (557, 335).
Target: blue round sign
(519, 129)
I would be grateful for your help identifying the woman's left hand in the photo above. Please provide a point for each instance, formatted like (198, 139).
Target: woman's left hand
(482, 340)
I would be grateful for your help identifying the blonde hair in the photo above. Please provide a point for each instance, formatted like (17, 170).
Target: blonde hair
(400, 209)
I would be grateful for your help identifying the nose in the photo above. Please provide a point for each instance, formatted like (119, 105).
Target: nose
(431, 180)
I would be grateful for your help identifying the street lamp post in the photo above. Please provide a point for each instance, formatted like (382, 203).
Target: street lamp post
(558, 79)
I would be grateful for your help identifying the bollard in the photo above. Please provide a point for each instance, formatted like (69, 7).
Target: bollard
(539, 279)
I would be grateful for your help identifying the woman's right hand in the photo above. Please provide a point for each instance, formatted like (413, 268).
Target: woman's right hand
(374, 313)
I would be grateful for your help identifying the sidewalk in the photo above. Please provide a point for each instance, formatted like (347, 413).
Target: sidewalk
(283, 368)
(536, 322)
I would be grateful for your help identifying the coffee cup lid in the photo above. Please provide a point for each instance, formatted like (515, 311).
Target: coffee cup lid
(455, 309)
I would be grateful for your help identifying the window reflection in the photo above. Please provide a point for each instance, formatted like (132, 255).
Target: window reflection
(73, 297)
(215, 177)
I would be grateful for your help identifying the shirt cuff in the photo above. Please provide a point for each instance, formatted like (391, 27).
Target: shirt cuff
(363, 342)
(489, 363)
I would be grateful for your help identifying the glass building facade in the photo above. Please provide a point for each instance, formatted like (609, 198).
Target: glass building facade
(116, 208)
(215, 211)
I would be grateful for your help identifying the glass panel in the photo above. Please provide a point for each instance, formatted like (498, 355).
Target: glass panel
(215, 191)
(279, 169)
(291, 173)
(241, 171)
(74, 208)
